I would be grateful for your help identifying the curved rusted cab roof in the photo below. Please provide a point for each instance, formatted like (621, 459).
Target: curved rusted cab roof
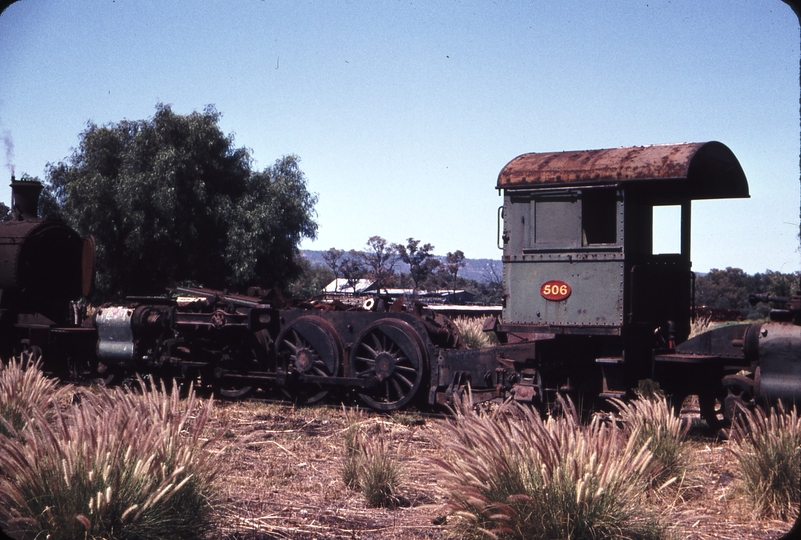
(694, 170)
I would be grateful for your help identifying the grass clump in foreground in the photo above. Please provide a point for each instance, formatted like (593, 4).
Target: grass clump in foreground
(513, 475)
(370, 466)
(766, 446)
(23, 391)
(118, 465)
(653, 424)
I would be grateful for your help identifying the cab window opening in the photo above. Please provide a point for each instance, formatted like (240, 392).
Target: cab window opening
(666, 230)
(599, 218)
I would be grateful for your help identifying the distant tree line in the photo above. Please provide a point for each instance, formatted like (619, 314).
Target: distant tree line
(730, 288)
(377, 262)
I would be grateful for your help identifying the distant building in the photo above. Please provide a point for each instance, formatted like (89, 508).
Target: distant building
(341, 289)
(446, 301)
(448, 296)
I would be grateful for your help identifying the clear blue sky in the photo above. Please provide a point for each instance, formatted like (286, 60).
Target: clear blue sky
(403, 113)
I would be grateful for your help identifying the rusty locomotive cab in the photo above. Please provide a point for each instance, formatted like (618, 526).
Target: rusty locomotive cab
(586, 224)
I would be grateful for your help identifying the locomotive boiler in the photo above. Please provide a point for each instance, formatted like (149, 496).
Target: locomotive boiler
(591, 306)
(44, 267)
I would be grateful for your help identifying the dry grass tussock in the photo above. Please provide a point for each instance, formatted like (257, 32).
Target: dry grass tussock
(371, 463)
(508, 473)
(119, 464)
(472, 331)
(652, 423)
(767, 447)
(23, 391)
(699, 325)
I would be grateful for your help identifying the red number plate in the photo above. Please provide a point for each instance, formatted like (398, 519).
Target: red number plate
(555, 290)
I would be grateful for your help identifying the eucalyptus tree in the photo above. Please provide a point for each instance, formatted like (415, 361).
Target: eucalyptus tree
(420, 259)
(379, 261)
(171, 200)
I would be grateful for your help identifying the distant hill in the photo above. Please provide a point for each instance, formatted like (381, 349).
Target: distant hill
(476, 269)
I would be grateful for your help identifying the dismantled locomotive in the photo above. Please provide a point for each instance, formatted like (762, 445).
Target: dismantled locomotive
(590, 305)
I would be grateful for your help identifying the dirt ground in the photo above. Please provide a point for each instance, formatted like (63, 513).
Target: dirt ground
(281, 465)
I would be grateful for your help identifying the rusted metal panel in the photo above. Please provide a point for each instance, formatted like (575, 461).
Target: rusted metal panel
(700, 170)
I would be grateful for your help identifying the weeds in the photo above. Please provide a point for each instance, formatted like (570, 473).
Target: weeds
(472, 332)
(699, 325)
(379, 478)
(767, 449)
(370, 466)
(351, 464)
(651, 422)
(23, 390)
(514, 475)
(118, 465)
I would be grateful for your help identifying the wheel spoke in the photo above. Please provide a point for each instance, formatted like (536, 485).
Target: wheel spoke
(319, 371)
(320, 365)
(292, 343)
(370, 350)
(369, 361)
(398, 389)
(397, 376)
(377, 344)
(405, 369)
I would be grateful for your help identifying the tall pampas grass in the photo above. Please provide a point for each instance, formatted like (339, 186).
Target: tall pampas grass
(118, 465)
(511, 474)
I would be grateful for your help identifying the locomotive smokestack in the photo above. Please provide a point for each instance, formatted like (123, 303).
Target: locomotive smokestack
(25, 198)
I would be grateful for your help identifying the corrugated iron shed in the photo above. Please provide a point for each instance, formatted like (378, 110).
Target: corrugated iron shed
(341, 285)
(697, 170)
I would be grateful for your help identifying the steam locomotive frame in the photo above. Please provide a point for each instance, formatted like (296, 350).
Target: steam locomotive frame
(588, 307)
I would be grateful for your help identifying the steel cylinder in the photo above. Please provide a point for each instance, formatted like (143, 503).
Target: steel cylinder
(115, 344)
(778, 372)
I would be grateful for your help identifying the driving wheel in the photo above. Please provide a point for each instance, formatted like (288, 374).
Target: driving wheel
(311, 347)
(391, 352)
